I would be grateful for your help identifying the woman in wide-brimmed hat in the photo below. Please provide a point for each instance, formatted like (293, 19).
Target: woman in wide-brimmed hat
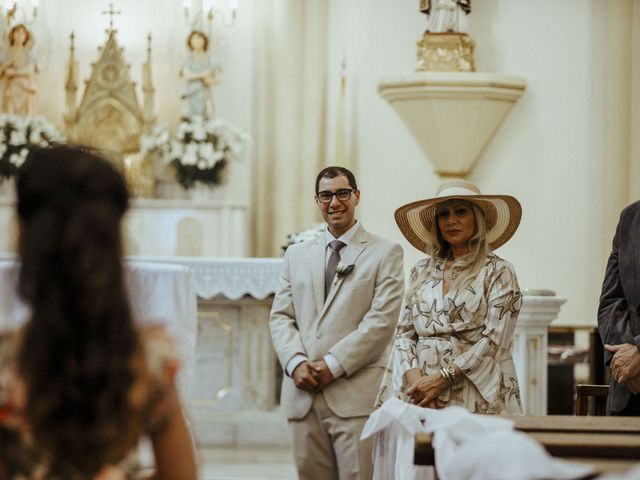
(452, 344)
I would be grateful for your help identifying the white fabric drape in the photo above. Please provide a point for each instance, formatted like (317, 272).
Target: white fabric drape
(466, 446)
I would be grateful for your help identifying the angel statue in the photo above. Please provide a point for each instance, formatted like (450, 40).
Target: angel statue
(446, 15)
(200, 73)
(17, 70)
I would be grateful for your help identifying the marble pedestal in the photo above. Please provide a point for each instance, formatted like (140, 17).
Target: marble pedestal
(529, 349)
(237, 375)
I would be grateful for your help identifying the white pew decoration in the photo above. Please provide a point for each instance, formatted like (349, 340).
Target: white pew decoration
(466, 446)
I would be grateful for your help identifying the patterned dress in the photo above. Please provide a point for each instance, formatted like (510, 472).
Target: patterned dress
(471, 328)
(19, 462)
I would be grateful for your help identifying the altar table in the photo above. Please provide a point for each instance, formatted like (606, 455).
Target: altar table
(159, 294)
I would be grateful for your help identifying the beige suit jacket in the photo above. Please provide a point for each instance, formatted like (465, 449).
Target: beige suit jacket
(355, 323)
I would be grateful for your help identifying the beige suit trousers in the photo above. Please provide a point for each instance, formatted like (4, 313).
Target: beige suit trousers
(328, 447)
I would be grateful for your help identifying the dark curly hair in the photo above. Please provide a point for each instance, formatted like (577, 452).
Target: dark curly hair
(76, 352)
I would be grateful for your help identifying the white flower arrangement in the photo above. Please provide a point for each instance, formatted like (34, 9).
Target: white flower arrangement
(21, 134)
(200, 150)
(157, 141)
(304, 235)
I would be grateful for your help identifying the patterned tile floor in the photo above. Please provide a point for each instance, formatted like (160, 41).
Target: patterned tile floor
(246, 464)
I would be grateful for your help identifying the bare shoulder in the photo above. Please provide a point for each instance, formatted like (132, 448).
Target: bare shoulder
(8, 337)
(9, 342)
(156, 335)
(160, 350)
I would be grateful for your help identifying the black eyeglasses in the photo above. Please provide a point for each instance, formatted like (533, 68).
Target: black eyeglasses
(326, 196)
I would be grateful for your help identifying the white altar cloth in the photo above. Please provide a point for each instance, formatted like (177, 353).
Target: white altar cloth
(232, 278)
(159, 293)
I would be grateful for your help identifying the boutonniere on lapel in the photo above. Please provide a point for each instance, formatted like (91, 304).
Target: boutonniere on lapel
(343, 270)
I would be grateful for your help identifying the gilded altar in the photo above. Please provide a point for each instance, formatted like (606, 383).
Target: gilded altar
(109, 117)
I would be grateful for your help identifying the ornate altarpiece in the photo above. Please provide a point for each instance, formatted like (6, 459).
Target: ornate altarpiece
(109, 117)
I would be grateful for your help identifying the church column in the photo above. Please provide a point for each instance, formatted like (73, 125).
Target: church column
(616, 125)
(289, 118)
(634, 170)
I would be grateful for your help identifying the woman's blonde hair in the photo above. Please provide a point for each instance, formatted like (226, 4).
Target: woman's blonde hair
(468, 265)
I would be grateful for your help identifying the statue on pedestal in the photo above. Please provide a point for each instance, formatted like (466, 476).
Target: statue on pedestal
(17, 70)
(445, 46)
(446, 15)
(201, 73)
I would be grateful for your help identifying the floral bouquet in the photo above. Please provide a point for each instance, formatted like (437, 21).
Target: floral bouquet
(21, 134)
(158, 141)
(299, 237)
(200, 150)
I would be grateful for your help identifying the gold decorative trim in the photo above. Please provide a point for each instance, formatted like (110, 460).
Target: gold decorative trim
(228, 388)
(445, 52)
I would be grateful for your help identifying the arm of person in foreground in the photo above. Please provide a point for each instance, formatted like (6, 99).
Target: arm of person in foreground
(173, 445)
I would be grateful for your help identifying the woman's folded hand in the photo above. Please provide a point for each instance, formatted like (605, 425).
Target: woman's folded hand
(426, 390)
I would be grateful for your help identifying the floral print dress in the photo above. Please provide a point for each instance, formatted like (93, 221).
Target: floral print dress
(469, 327)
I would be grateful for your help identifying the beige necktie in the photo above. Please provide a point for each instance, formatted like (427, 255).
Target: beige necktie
(334, 259)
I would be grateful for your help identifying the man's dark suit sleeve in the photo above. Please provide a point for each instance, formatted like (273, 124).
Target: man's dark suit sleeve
(615, 318)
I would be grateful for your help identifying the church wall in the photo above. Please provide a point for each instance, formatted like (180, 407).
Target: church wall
(563, 150)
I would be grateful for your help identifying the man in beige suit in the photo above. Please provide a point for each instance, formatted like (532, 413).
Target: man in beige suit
(331, 323)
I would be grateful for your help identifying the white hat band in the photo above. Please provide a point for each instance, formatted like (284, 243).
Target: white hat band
(456, 191)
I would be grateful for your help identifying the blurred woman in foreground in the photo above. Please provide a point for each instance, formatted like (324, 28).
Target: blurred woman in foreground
(79, 383)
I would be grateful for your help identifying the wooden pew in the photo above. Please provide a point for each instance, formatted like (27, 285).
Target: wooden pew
(607, 442)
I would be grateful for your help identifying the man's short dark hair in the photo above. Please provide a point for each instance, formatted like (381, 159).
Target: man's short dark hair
(332, 172)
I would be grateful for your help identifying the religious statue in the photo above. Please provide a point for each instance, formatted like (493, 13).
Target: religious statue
(445, 46)
(201, 73)
(445, 15)
(17, 70)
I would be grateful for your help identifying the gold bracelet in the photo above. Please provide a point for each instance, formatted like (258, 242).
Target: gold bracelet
(447, 376)
(452, 374)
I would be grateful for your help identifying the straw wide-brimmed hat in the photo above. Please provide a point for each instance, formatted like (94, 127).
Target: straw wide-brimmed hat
(502, 212)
